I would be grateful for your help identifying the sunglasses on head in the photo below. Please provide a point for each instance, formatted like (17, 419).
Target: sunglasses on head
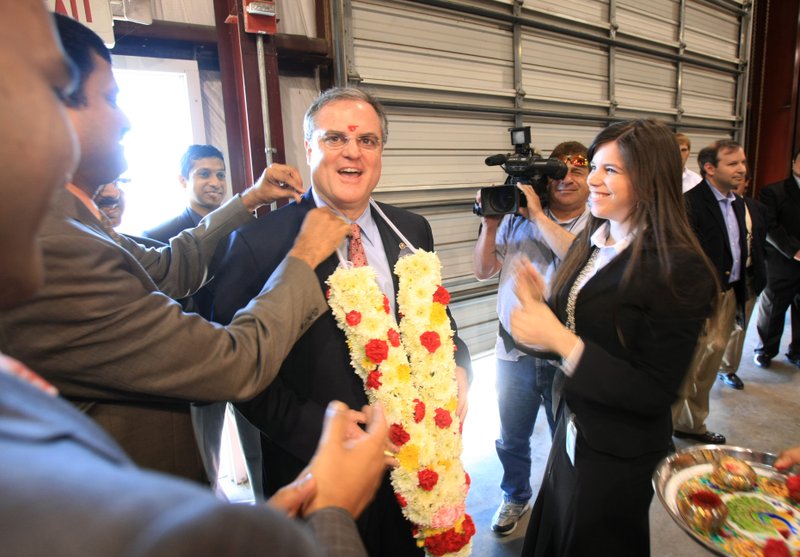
(575, 160)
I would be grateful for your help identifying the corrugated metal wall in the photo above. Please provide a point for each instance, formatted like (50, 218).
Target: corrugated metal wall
(455, 74)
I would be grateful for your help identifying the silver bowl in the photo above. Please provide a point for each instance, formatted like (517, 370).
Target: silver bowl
(675, 463)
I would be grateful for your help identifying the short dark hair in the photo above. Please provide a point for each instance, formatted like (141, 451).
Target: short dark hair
(79, 43)
(796, 154)
(568, 148)
(197, 152)
(344, 94)
(710, 153)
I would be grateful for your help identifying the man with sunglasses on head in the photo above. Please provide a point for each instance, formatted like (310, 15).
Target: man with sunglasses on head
(543, 235)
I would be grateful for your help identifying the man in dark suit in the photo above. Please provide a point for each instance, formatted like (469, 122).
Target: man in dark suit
(67, 487)
(755, 276)
(204, 178)
(717, 216)
(345, 131)
(783, 268)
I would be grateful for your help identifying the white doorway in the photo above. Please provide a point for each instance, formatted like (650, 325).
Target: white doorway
(162, 99)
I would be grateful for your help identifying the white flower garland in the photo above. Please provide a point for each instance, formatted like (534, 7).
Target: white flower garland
(412, 372)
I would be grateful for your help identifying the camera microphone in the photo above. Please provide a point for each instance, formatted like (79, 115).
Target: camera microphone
(495, 160)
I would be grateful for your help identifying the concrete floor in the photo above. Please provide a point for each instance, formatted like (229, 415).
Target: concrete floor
(765, 416)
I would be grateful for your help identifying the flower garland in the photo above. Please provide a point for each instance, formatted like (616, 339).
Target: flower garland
(412, 372)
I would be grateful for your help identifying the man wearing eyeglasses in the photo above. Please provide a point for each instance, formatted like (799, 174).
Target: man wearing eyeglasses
(345, 133)
(543, 235)
(110, 199)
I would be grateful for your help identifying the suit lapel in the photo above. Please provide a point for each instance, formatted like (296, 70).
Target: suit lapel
(712, 205)
(741, 220)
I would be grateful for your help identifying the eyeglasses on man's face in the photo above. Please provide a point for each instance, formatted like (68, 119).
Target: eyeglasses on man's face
(107, 202)
(334, 141)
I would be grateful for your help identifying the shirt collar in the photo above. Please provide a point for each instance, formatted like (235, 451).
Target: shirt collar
(365, 221)
(600, 237)
(85, 199)
(730, 197)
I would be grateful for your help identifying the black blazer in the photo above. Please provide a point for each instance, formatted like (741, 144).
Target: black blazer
(318, 369)
(708, 223)
(639, 340)
(783, 227)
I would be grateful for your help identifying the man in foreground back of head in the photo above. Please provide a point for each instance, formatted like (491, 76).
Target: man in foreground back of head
(103, 328)
(67, 488)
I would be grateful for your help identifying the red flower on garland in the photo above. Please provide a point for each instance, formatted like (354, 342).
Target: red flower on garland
(442, 296)
(353, 318)
(376, 350)
(467, 479)
(419, 410)
(451, 540)
(430, 340)
(374, 380)
(386, 307)
(394, 337)
(401, 500)
(328, 294)
(427, 479)
(398, 435)
(443, 418)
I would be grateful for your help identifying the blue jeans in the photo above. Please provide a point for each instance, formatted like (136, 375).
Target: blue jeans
(521, 387)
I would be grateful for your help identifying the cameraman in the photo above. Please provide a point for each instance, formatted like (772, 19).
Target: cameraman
(523, 381)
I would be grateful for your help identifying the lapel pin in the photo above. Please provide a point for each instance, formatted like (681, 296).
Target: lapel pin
(402, 245)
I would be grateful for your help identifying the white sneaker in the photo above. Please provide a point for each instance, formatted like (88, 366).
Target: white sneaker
(507, 516)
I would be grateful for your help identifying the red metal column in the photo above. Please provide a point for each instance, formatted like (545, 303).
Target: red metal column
(774, 129)
(241, 97)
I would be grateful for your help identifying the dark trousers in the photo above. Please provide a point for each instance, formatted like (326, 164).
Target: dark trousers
(780, 293)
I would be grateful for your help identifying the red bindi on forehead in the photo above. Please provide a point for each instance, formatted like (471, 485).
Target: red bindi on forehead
(352, 128)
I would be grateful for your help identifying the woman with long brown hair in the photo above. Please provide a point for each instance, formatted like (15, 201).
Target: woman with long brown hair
(628, 304)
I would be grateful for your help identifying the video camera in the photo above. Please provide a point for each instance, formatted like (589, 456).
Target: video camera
(521, 166)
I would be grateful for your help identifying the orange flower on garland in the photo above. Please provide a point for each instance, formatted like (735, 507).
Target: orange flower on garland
(452, 540)
(374, 380)
(353, 318)
(430, 340)
(443, 418)
(427, 479)
(442, 296)
(419, 410)
(398, 435)
(376, 350)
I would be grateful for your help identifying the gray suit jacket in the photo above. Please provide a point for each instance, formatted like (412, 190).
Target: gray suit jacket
(69, 490)
(104, 330)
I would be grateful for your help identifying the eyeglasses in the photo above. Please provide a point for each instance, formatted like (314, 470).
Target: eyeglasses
(107, 202)
(335, 141)
(575, 160)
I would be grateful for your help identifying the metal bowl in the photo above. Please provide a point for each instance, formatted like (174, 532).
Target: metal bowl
(676, 463)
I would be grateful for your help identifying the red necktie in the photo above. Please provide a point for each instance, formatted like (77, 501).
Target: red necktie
(357, 256)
